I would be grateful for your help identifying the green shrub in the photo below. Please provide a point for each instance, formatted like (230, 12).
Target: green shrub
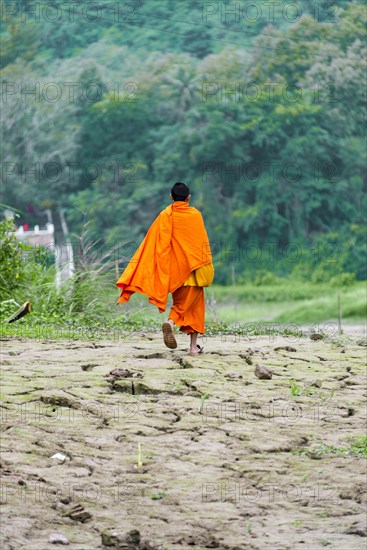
(12, 267)
(264, 278)
(343, 280)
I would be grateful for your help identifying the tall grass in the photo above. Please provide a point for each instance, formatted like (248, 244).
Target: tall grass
(91, 297)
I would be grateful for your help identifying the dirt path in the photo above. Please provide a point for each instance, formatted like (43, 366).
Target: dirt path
(226, 460)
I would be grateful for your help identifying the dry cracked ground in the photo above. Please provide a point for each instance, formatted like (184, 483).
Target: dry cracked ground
(125, 444)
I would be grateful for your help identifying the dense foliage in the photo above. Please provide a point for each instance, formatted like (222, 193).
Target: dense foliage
(11, 257)
(278, 167)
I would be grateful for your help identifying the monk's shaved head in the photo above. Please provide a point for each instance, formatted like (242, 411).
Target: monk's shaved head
(180, 191)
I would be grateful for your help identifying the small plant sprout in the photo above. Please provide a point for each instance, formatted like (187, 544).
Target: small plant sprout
(203, 397)
(179, 385)
(139, 456)
(298, 523)
(157, 496)
(295, 389)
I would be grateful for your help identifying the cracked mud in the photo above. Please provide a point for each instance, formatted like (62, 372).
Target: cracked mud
(129, 445)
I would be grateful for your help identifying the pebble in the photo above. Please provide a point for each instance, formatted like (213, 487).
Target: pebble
(362, 342)
(60, 457)
(263, 373)
(120, 373)
(58, 538)
(313, 384)
(120, 539)
(78, 513)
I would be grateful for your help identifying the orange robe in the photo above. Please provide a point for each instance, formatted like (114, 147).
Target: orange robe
(175, 245)
(188, 309)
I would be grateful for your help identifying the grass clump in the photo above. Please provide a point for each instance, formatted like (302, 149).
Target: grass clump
(358, 447)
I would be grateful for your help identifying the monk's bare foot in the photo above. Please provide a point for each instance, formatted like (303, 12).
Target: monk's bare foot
(196, 350)
(169, 336)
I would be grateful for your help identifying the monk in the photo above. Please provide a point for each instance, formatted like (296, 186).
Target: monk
(174, 257)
